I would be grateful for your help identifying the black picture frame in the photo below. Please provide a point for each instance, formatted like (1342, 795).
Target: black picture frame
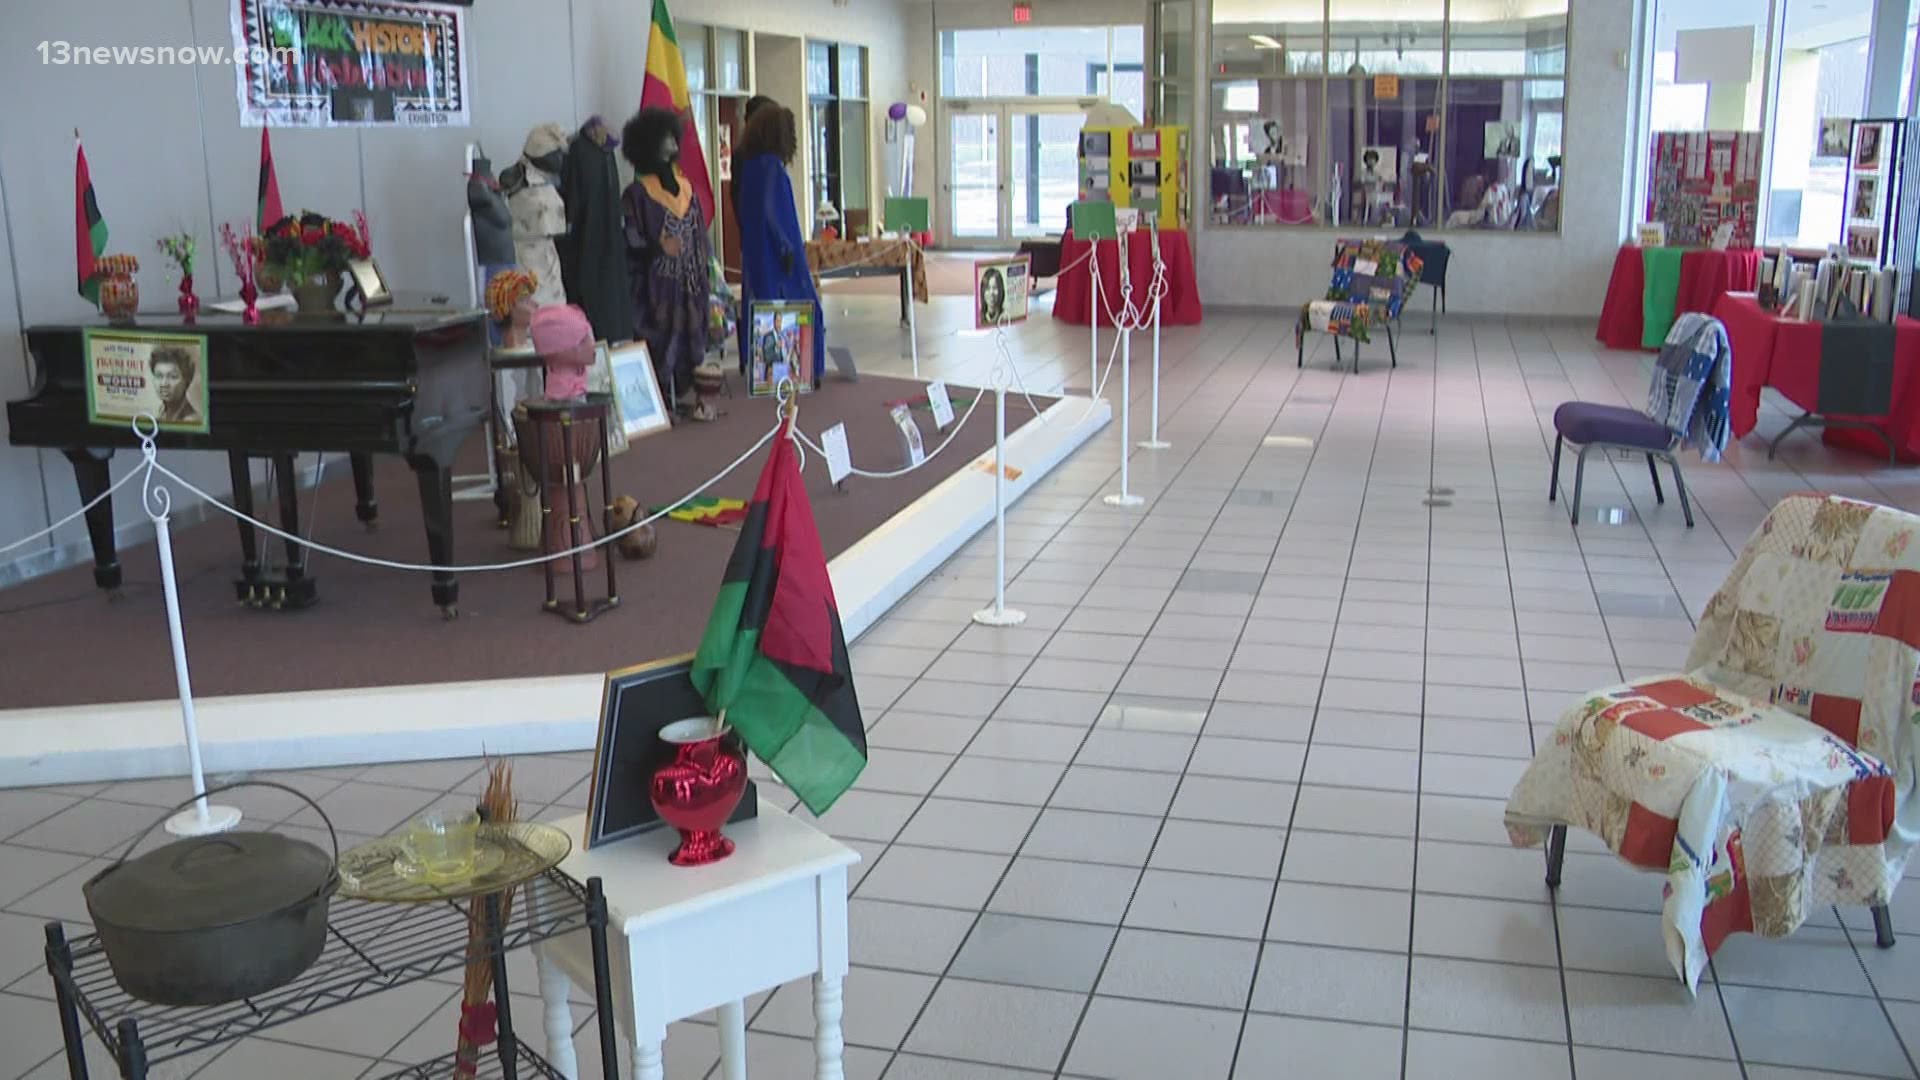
(635, 703)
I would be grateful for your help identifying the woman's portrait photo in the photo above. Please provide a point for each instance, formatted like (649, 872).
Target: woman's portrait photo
(173, 371)
(993, 296)
(1866, 147)
(999, 292)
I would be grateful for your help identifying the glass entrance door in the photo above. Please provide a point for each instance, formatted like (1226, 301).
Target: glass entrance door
(974, 187)
(1012, 170)
(1043, 170)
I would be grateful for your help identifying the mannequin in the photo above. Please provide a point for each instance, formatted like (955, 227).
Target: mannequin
(510, 302)
(539, 216)
(492, 221)
(564, 340)
(592, 257)
(668, 255)
(773, 257)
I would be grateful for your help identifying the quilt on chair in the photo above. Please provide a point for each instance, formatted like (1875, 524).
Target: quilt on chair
(1777, 775)
(1372, 280)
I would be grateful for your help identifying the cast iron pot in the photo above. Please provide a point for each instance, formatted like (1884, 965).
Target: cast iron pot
(211, 919)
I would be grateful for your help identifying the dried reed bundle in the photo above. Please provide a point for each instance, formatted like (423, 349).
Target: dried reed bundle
(477, 1013)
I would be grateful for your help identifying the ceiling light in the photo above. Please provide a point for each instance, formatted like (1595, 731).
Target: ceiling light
(1266, 42)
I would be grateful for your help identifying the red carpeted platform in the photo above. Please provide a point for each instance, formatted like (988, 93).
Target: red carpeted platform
(65, 643)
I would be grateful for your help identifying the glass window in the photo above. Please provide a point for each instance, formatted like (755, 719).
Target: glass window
(853, 71)
(854, 170)
(1684, 106)
(1823, 72)
(1173, 49)
(819, 67)
(1053, 61)
(693, 50)
(730, 60)
(1388, 114)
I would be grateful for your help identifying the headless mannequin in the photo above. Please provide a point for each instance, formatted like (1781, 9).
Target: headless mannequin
(532, 186)
(593, 257)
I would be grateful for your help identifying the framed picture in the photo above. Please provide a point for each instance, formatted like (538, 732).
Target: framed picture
(133, 373)
(1866, 147)
(1651, 234)
(781, 337)
(1144, 142)
(1000, 292)
(600, 381)
(635, 703)
(1865, 203)
(1863, 242)
(371, 284)
(1835, 133)
(636, 391)
(1502, 138)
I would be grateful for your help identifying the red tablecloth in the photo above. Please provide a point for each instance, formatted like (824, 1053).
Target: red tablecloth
(1074, 293)
(1705, 276)
(1785, 354)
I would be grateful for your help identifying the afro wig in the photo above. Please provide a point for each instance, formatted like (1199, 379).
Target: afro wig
(640, 140)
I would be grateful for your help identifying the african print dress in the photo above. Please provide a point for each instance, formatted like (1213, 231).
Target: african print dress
(668, 254)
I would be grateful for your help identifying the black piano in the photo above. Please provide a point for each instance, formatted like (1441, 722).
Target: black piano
(408, 378)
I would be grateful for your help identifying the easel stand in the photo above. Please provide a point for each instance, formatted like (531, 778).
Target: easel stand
(1125, 328)
(999, 614)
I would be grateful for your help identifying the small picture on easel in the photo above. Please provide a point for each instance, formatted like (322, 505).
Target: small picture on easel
(1866, 148)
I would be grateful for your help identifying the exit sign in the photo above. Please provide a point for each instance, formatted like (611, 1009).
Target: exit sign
(1023, 13)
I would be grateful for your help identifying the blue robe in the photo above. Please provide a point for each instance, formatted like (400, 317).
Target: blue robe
(769, 230)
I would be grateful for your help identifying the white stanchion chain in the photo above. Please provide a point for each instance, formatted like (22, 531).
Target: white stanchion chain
(73, 517)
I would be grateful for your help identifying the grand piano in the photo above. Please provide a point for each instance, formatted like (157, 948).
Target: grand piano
(408, 378)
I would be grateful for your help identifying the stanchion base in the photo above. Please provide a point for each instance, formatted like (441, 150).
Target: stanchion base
(999, 617)
(1123, 500)
(1153, 444)
(219, 819)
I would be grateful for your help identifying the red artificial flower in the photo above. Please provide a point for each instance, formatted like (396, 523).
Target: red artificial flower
(310, 236)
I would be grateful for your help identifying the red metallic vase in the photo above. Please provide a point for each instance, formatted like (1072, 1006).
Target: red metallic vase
(697, 791)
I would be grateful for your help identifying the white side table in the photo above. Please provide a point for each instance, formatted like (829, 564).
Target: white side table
(682, 940)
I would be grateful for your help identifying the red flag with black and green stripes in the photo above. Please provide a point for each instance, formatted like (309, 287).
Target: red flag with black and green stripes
(267, 206)
(89, 231)
(773, 660)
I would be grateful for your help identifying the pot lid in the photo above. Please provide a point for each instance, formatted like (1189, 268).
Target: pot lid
(209, 881)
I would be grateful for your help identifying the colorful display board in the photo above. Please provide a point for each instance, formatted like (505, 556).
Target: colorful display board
(1141, 168)
(1872, 189)
(1702, 179)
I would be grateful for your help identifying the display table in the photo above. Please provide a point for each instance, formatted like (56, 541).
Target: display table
(1650, 287)
(1073, 298)
(687, 939)
(1785, 354)
(872, 258)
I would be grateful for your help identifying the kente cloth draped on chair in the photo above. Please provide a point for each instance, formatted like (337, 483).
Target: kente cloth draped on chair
(1371, 280)
(1693, 384)
(1777, 776)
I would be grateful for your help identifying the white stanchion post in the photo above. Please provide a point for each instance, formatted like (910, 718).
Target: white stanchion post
(1093, 318)
(1153, 440)
(913, 332)
(1125, 497)
(202, 818)
(999, 614)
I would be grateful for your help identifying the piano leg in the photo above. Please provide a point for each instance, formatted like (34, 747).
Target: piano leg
(298, 589)
(365, 507)
(247, 589)
(90, 472)
(436, 506)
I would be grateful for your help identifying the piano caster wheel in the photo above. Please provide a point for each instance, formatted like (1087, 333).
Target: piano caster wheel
(449, 613)
(116, 594)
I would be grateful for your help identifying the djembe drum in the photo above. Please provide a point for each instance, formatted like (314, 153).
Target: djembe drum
(561, 443)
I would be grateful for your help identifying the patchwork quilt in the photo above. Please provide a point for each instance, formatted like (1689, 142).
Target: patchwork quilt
(1776, 776)
(1692, 383)
(1372, 279)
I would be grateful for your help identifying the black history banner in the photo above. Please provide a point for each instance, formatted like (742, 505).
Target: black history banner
(334, 63)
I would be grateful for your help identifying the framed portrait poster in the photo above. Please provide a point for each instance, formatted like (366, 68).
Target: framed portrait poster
(1000, 292)
(131, 373)
(635, 704)
(781, 337)
(636, 391)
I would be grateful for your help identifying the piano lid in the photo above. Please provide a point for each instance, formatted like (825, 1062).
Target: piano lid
(417, 312)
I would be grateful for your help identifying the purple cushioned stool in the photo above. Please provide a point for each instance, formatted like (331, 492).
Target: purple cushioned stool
(1590, 424)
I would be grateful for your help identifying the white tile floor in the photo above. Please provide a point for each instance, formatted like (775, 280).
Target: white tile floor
(1228, 805)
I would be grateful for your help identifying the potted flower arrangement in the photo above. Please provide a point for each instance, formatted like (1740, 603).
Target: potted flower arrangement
(310, 252)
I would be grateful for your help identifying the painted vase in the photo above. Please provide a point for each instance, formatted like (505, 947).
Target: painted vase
(119, 297)
(698, 790)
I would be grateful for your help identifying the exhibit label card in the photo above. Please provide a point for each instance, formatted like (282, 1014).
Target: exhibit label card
(942, 404)
(839, 462)
(132, 373)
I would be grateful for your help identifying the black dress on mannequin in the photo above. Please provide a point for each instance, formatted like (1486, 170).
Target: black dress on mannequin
(593, 261)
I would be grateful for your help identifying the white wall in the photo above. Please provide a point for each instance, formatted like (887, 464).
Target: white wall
(167, 153)
(1564, 274)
